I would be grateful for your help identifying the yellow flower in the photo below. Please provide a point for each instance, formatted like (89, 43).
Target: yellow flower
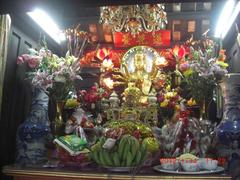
(168, 88)
(222, 64)
(71, 103)
(191, 102)
(174, 94)
(164, 103)
(53, 64)
(188, 72)
(169, 95)
(177, 107)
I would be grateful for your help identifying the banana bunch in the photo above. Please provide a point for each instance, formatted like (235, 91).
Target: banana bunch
(127, 153)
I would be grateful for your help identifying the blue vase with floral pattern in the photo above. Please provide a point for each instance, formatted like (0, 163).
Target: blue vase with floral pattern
(229, 129)
(34, 132)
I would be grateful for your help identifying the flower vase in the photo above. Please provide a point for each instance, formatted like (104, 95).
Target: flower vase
(195, 111)
(34, 133)
(166, 114)
(59, 119)
(203, 114)
(228, 130)
(176, 80)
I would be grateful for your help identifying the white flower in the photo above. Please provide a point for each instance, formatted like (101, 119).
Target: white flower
(60, 78)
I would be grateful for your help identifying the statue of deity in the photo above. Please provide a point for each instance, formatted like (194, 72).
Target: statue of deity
(139, 75)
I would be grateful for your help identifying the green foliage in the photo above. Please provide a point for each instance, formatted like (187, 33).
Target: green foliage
(200, 88)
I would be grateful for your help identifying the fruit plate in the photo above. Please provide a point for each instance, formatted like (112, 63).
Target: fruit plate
(119, 169)
(160, 169)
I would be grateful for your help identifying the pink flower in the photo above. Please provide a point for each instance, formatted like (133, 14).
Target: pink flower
(34, 62)
(183, 66)
(26, 57)
(82, 92)
(20, 60)
(94, 88)
(105, 94)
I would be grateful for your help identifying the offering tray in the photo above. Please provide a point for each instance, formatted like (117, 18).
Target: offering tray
(160, 169)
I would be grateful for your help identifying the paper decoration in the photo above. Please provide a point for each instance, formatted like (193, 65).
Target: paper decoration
(160, 38)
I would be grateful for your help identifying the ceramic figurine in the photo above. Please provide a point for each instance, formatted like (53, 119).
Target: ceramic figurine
(114, 100)
(81, 124)
(152, 99)
(75, 120)
(104, 104)
(34, 132)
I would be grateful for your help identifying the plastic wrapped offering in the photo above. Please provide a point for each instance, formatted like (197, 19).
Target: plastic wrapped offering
(72, 144)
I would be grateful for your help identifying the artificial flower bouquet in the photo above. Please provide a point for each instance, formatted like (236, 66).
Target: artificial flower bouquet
(169, 101)
(90, 99)
(186, 134)
(206, 67)
(199, 66)
(52, 73)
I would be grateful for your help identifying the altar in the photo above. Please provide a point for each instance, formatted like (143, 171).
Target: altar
(128, 97)
(65, 174)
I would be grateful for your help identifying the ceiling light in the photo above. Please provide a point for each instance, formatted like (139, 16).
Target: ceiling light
(231, 20)
(47, 24)
(224, 17)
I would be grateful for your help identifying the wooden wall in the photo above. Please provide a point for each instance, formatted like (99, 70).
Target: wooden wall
(17, 90)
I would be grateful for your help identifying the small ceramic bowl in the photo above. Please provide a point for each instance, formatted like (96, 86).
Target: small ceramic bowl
(190, 165)
(169, 164)
(208, 164)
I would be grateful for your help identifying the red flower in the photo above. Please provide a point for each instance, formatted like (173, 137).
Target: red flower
(171, 62)
(187, 49)
(179, 52)
(103, 53)
(110, 54)
(184, 114)
(172, 104)
(105, 94)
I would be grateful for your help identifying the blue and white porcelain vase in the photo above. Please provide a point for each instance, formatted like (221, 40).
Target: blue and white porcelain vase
(229, 129)
(34, 132)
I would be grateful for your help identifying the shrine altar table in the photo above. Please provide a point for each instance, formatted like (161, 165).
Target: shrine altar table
(25, 173)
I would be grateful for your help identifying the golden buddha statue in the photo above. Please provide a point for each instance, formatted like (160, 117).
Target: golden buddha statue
(139, 75)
